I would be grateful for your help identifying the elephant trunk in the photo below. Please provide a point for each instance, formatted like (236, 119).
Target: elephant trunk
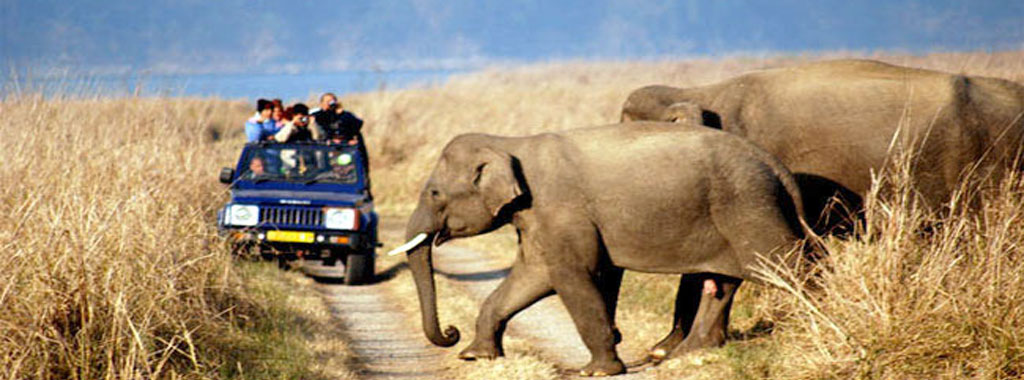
(421, 265)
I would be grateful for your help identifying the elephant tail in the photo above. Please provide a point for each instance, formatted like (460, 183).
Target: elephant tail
(813, 244)
(795, 211)
(789, 183)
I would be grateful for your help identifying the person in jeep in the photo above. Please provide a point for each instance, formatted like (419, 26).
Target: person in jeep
(257, 168)
(342, 167)
(261, 126)
(298, 129)
(336, 122)
(341, 127)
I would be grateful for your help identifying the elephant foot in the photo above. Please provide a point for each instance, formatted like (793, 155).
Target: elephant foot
(665, 347)
(603, 368)
(480, 351)
(697, 342)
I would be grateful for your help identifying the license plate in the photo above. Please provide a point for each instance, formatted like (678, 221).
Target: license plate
(291, 236)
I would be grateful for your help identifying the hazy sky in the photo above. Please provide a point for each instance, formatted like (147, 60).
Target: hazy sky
(262, 36)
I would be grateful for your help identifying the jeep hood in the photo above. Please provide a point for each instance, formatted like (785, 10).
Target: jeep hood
(296, 196)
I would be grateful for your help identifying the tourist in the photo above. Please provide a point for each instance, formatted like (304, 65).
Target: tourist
(261, 126)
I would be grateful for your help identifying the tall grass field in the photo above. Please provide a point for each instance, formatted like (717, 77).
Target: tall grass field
(112, 267)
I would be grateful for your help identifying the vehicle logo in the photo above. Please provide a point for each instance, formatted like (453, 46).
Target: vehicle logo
(294, 202)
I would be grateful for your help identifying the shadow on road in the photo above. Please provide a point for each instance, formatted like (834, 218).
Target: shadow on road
(391, 272)
(477, 276)
(379, 277)
(488, 275)
(328, 280)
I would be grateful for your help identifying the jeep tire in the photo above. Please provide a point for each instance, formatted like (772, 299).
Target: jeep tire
(359, 269)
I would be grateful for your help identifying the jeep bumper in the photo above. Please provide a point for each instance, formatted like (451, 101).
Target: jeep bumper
(286, 241)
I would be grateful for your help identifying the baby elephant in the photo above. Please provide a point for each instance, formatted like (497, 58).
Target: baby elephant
(652, 197)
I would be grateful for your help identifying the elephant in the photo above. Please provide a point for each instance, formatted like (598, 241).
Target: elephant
(834, 123)
(589, 203)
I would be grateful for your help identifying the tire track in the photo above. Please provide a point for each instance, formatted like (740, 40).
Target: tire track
(386, 342)
(546, 325)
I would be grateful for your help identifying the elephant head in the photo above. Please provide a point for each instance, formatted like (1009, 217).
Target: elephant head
(683, 112)
(466, 195)
(669, 104)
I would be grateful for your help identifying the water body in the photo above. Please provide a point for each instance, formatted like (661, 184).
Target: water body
(288, 87)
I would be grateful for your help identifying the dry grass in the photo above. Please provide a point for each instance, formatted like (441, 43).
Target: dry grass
(304, 340)
(112, 267)
(918, 296)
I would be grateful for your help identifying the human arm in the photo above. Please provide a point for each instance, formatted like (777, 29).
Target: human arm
(315, 131)
(324, 122)
(253, 131)
(285, 133)
(351, 124)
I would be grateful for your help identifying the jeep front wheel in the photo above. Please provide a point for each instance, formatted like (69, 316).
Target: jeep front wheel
(359, 269)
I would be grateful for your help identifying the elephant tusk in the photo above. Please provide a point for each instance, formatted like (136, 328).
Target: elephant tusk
(415, 241)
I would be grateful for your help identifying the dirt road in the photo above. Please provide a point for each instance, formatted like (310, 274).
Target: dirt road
(385, 336)
(386, 341)
(546, 325)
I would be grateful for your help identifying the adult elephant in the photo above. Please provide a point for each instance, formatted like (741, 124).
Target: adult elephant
(834, 123)
(652, 197)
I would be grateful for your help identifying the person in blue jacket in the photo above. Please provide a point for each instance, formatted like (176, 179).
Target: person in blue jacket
(261, 127)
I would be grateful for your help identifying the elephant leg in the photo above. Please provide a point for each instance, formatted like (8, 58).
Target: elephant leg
(524, 286)
(609, 280)
(688, 299)
(585, 303)
(711, 321)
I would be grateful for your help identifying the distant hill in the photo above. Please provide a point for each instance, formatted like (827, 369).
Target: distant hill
(295, 35)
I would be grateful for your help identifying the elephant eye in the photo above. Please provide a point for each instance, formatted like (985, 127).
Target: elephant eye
(435, 194)
(479, 172)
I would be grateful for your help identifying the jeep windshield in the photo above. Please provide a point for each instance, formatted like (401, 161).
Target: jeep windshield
(300, 163)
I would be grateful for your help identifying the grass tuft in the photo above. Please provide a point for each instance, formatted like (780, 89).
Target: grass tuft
(112, 265)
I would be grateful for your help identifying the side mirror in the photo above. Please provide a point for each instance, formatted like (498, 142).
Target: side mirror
(226, 175)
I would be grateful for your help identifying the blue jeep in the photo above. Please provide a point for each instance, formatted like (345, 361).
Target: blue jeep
(303, 201)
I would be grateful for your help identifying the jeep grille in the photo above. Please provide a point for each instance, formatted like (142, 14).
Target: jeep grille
(279, 216)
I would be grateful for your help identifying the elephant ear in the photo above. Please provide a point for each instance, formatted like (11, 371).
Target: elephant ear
(496, 180)
(684, 112)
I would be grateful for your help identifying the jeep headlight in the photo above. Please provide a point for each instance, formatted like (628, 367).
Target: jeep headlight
(341, 218)
(243, 215)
